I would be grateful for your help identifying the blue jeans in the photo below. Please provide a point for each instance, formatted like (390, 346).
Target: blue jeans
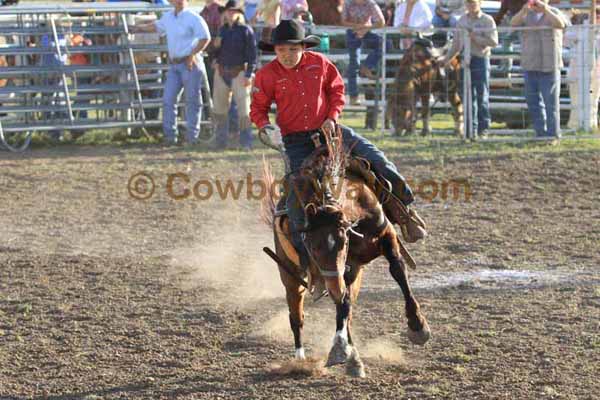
(250, 11)
(354, 44)
(179, 77)
(440, 22)
(480, 89)
(361, 147)
(542, 91)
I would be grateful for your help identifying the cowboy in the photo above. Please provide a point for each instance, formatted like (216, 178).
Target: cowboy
(187, 37)
(235, 65)
(309, 93)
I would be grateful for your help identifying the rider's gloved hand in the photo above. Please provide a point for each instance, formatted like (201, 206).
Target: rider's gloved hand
(273, 133)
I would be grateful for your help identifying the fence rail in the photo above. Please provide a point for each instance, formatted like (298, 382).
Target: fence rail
(122, 84)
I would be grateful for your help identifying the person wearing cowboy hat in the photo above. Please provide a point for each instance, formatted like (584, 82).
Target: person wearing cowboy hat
(309, 93)
(233, 73)
(187, 36)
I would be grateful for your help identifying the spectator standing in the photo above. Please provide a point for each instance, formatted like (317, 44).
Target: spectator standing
(360, 16)
(483, 37)
(214, 18)
(236, 63)
(541, 60)
(187, 36)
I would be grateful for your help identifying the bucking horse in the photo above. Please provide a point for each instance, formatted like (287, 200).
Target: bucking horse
(346, 228)
(417, 78)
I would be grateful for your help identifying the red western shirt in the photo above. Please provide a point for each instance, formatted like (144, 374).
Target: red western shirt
(305, 95)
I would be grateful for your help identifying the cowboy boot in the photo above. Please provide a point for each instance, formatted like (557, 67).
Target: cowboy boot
(411, 225)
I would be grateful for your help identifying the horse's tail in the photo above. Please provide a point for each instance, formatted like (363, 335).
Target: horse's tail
(267, 209)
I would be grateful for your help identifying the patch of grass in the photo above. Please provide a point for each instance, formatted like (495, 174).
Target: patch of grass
(24, 309)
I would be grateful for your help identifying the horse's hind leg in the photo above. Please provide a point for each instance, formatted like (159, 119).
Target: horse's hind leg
(418, 329)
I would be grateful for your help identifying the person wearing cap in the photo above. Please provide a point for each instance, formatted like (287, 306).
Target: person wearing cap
(483, 36)
(187, 36)
(235, 66)
(541, 60)
(309, 94)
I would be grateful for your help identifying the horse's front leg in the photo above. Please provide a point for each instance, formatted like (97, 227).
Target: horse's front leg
(295, 300)
(418, 329)
(294, 294)
(342, 346)
(457, 113)
(425, 114)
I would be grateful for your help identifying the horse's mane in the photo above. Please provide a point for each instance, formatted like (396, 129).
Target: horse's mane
(326, 166)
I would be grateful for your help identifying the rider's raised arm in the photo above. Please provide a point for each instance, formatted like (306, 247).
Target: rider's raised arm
(263, 95)
(334, 87)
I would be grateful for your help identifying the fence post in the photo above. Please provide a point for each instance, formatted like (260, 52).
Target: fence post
(62, 68)
(383, 77)
(583, 81)
(588, 66)
(467, 92)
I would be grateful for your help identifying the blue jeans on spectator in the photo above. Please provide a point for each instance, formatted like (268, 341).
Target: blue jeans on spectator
(179, 77)
(480, 89)
(542, 94)
(297, 152)
(354, 44)
(250, 11)
(440, 22)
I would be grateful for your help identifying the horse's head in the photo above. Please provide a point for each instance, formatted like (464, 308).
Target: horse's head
(326, 227)
(326, 236)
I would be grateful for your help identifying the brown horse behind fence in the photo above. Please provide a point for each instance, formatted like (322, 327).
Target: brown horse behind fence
(417, 78)
(346, 228)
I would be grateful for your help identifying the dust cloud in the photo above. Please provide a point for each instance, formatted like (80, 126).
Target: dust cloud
(232, 262)
(383, 349)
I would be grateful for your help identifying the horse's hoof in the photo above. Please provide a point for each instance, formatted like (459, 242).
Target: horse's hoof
(339, 353)
(355, 367)
(420, 337)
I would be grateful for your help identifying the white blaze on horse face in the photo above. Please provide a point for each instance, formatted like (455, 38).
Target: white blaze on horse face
(300, 354)
(330, 242)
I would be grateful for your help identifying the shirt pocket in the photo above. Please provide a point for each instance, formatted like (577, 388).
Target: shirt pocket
(282, 89)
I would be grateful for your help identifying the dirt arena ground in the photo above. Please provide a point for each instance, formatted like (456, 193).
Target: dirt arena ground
(105, 296)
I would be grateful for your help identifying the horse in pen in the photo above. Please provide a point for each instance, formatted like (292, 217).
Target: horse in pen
(418, 77)
(346, 228)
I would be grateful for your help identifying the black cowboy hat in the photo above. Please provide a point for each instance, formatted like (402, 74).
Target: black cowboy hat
(231, 5)
(289, 32)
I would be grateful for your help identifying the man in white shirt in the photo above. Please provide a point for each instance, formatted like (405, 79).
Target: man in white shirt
(187, 36)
